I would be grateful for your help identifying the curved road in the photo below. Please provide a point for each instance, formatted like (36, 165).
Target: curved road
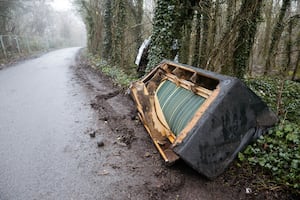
(43, 114)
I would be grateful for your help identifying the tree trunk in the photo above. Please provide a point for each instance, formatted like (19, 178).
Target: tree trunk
(205, 32)
(185, 43)
(268, 20)
(139, 19)
(196, 51)
(288, 49)
(276, 34)
(118, 29)
(214, 24)
(107, 45)
(230, 13)
(170, 15)
(245, 40)
(136, 10)
(296, 68)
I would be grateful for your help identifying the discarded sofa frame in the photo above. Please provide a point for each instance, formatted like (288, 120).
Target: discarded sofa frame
(199, 116)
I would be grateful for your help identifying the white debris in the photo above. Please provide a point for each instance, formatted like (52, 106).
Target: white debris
(248, 191)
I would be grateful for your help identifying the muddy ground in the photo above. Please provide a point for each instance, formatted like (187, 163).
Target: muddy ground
(128, 156)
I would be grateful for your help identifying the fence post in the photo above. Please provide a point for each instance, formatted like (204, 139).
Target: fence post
(2, 45)
(27, 44)
(48, 45)
(17, 42)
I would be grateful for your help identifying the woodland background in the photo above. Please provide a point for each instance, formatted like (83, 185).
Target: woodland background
(235, 37)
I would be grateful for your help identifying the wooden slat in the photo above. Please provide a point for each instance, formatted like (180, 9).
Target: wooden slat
(189, 86)
(149, 117)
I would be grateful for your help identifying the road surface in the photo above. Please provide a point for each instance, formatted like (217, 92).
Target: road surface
(43, 115)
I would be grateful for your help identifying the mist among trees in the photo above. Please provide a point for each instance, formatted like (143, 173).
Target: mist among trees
(36, 25)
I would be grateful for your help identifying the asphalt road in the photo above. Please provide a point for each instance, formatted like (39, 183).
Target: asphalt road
(43, 115)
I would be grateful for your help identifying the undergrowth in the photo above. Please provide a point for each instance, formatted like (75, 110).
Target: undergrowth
(278, 150)
(118, 76)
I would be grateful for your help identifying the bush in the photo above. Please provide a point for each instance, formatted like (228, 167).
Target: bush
(278, 150)
(269, 89)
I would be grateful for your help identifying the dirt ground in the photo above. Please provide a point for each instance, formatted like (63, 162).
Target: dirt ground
(129, 157)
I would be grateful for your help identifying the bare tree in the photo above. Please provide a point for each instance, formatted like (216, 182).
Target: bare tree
(276, 34)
